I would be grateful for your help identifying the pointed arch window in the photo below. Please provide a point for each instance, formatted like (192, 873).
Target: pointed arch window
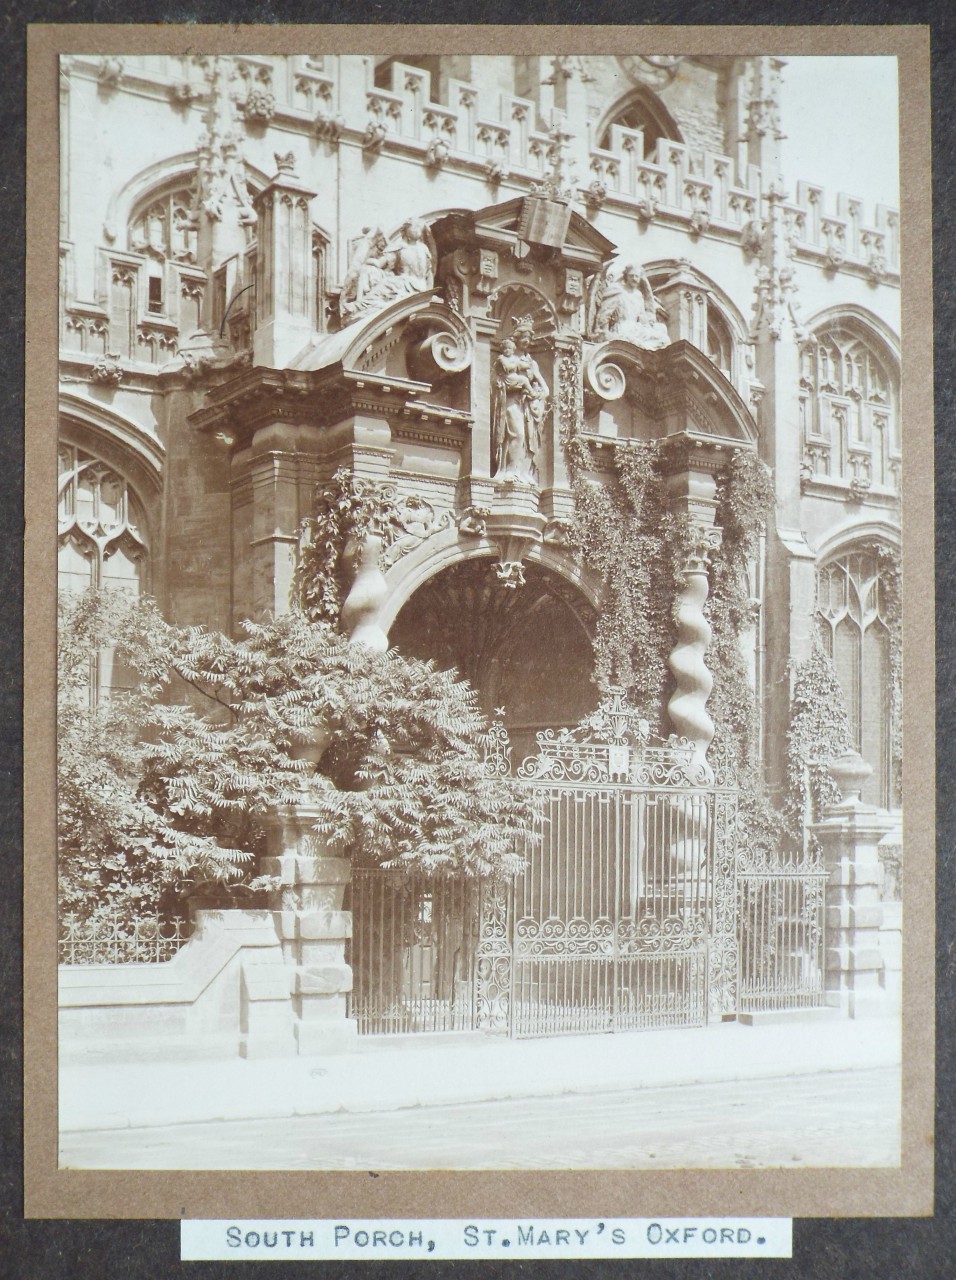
(720, 343)
(642, 110)
(165, 228)
(858, 613)
(102, 543)
(850, 411)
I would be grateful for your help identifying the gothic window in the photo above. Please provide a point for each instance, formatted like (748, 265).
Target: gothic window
(641, 110)
(101, 542)
(164, 230)
(720, 344)
(857, 607)
(850, 412)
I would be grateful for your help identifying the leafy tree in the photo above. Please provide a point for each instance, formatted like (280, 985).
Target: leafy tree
(157, 794)
(121, 854)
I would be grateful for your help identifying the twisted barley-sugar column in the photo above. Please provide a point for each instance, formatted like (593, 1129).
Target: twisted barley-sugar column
(687, 707)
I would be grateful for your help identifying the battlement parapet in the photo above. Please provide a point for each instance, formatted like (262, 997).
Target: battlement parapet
(502, 134)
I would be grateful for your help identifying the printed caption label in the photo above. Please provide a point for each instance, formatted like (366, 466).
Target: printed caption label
(347, 1240)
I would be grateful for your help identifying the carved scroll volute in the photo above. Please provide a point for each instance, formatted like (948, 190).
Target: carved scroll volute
(605, 377)
(440, 347)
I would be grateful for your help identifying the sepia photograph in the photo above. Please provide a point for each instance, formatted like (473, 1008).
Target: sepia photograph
(480, 652)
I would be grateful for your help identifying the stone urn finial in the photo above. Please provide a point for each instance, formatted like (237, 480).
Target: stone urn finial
(849, 771)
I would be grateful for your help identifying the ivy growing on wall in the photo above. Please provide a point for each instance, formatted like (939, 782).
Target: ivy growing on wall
(744, 505)
(891, 579)
(819, 730)
(819, 726)
(626, 533)
(348, 507)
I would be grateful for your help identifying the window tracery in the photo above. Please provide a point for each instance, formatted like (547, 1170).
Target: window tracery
(101, 545)
(641, 110)
(100, 526)
(849, 406)
(165, 228)
(857, 611)
(720, 343)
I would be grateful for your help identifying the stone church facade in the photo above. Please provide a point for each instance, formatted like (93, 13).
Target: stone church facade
(431, 271)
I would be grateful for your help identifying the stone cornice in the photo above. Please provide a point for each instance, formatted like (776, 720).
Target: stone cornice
(261, 395)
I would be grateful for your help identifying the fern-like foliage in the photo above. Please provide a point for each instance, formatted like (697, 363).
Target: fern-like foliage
(158, 795)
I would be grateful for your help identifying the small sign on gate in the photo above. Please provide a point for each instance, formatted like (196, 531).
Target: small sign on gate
(619, 761)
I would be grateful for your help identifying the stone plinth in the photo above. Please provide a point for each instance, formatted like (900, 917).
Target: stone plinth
(227, 991)
(849, 835)
(313, 928)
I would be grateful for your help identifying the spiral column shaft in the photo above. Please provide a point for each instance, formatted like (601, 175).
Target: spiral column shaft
(691, 468)
(687, 706)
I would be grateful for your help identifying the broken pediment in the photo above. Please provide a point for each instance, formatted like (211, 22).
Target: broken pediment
(525, 225)
(418, 338)
(535, 241)
(632, 393)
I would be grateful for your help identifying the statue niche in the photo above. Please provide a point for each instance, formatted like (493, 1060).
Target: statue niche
(383, 271)
(624, 307)
(519, 402)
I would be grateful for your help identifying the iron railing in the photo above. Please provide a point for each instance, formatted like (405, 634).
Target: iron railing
(782, 935)
(120, 942)
(413, 951)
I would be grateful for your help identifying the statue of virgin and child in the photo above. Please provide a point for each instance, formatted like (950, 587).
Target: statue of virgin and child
(519, 403)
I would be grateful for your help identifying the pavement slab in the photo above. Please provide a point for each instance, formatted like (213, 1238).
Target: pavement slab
(384, 1076)
(833, 1119)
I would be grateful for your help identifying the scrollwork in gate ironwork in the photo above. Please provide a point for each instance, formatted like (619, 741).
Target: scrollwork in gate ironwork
(653, 936)
(576, 937)
(692, 840)
(493, 960)
(497, 751)
(614, 745)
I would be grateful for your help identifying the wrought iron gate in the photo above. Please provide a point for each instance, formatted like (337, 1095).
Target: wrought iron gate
(615, 920)
(412, 952)
(781, 923)
(637, 909)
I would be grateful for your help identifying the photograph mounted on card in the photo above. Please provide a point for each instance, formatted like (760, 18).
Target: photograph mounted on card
(481, 711)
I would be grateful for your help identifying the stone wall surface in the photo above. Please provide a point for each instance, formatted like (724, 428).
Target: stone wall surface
(226, 993)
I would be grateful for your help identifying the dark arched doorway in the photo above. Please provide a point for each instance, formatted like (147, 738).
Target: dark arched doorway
(526, 649)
